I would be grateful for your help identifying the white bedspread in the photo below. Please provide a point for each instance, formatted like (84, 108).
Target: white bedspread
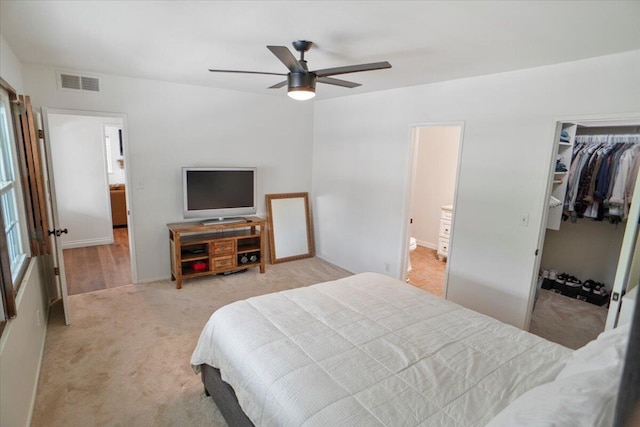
(369, 350)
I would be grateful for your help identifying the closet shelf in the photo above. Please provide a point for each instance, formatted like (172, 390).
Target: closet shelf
(564, 152)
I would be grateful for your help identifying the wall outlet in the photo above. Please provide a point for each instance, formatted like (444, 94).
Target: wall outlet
(387, 267)
(524, 220)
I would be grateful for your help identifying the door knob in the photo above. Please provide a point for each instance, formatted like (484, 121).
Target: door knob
(58, 232)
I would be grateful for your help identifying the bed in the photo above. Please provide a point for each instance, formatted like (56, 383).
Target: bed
(369, 350)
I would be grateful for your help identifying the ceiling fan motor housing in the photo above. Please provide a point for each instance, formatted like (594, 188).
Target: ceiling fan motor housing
(302, 45)
(302, 81)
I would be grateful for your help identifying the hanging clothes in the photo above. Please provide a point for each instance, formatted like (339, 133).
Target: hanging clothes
(602, 176)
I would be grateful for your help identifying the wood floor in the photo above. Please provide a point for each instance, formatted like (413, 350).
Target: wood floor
(427, 272)
(99, 267)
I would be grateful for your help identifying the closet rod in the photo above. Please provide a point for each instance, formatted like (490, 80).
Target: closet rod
(600, 139)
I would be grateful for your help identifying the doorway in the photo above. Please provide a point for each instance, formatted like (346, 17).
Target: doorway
(435, 154)
(88, 164)
(582, 261)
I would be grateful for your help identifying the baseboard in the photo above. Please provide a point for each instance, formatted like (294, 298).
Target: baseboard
(156, 279)
(24, 336)
(427, 244)
(89, 242)
(40, 359)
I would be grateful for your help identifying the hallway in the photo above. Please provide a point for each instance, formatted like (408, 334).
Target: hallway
(99, 267)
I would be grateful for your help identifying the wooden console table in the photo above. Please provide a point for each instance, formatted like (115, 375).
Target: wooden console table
(201, 250)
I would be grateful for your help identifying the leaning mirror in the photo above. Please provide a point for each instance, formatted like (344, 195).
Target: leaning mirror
(290, 230)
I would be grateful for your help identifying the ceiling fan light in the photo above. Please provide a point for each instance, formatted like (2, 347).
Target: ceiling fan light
(301, 94)
(301, 86)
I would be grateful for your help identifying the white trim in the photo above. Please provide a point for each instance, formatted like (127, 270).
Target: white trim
(33, 267)
(87, 242)
(41, 355)
(625, 260)
(413, 147)
(127, 173)
(20, 205)
(153, 279)
(427, 245)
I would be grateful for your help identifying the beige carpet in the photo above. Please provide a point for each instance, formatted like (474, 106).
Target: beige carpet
(566, 321)
(124, 360)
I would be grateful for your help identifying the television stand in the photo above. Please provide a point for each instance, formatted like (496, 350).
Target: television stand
(201, 250)
(229, 220)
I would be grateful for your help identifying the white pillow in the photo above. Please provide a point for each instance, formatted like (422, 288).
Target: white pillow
(606, 351)
(583, 394)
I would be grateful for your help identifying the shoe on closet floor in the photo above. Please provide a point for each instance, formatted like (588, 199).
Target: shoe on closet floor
(572, 286)
(558, 284)
(586, 290)
(600, 294)
(599, 289)
(547, 283)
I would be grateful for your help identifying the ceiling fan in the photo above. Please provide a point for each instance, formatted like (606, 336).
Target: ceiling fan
(301, 82)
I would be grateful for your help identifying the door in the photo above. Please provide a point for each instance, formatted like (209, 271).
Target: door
(552, 217)
(625, 262)
(78, 160)
(434, 165)
(52, 212)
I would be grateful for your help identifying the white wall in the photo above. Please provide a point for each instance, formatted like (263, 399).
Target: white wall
(435, 179)
(21, 349)
(10, 66)
(79, 161)
(174, 125)
(586, 249)
(360, 171)
(22, 340)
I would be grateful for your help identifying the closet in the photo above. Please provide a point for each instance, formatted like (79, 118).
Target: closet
(594, 177)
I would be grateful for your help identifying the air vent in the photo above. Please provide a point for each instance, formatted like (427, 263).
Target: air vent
(78, 82)
(68, 81)
(90, 83)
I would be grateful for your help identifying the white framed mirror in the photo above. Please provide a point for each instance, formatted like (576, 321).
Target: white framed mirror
(289, 226)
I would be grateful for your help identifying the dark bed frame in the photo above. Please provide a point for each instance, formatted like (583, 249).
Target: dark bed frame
(224, 397)
(628, 404)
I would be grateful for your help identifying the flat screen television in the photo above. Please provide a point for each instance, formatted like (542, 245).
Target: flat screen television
(219, 194)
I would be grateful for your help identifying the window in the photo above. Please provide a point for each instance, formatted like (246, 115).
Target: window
(11, 200)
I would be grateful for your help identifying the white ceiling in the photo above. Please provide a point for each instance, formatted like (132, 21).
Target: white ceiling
(425, 41)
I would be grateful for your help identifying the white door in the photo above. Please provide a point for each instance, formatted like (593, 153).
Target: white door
(52, 211)
(625, 262)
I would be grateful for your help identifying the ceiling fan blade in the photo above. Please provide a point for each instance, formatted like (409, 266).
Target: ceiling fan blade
(352, 69)
(278, 85)
(337, 82)
(286, 57)
(247, 72)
